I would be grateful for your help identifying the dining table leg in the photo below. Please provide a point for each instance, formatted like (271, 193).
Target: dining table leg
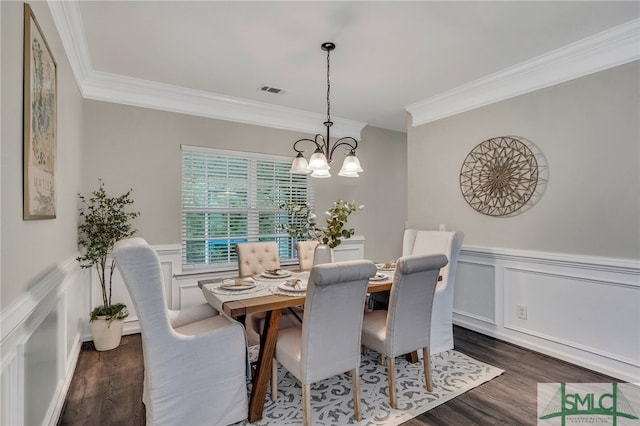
(262, 375)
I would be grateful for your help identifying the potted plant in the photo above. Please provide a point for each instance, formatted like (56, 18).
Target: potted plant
(303, 224)
(103, 221)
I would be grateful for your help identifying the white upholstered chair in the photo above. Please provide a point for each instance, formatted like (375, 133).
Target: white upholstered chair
(328, 342)
(194, 359)
(255, 258)
(406, 325)
(306, 250)
(416, 242)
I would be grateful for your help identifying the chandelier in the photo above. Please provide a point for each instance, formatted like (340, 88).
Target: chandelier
(318, 164)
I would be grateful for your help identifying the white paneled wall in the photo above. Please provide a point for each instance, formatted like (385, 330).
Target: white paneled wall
(41, 337)
(583, 310)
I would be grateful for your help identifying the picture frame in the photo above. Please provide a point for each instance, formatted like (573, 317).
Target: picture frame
(39, 123)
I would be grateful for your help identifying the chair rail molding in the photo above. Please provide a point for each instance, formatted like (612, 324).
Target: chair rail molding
(607, 49)
(581, 309)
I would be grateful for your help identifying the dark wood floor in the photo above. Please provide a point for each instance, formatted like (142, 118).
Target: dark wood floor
(106, 388)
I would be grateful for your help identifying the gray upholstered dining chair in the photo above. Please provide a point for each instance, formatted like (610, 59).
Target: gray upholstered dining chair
(194, 359)
(328, 342)
(306, 250)
(255, 258)
(406, 325)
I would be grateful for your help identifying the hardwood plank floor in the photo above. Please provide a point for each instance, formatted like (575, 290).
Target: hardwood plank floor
(106, 388)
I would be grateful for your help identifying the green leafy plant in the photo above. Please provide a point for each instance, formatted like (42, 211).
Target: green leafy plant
(103, 221)
(303, 222)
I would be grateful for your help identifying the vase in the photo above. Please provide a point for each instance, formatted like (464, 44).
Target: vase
(106, 335)
(322, 254)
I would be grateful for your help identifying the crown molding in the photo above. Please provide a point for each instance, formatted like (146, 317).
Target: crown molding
(68, 20)
(608, 49)
(148, 94)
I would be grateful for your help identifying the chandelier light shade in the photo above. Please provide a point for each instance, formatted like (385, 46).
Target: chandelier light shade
(318, 164)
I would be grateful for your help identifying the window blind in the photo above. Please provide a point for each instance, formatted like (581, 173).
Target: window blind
(230, 197)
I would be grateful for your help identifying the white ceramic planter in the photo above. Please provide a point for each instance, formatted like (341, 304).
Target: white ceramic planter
(322, 254)
(106, 336)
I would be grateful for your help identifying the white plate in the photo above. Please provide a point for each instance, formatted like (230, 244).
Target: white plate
(231, 285)
(286, 286)
(379, 277)
(381, 267)
(281, 273)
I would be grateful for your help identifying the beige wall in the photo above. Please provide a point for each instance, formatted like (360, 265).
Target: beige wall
(32, 248)
(588, 130)
(139, 148)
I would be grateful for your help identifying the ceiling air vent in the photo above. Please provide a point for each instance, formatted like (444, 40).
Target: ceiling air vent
(273, 90)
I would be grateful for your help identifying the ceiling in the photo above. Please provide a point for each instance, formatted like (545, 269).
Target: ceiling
(389, 54)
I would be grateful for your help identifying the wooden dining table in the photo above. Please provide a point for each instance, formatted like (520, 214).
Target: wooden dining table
(273, 305)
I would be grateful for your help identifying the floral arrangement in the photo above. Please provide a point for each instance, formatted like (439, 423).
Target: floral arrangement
(303, 223)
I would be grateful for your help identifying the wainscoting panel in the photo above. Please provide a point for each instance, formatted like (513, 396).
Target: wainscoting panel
(474, 291)
(40, 345)
(597, 310)
(584, 310)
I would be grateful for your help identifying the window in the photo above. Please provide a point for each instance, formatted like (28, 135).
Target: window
(230, 197)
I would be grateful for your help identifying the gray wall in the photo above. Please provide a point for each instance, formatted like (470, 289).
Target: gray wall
(588, 130)
(139, 148)
(32, 248)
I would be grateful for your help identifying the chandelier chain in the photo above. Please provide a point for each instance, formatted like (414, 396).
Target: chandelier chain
(328, 88)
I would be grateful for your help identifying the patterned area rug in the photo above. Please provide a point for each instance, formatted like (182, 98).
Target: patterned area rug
(331, 400)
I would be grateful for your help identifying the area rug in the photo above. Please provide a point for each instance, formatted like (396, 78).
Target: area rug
(331, 400)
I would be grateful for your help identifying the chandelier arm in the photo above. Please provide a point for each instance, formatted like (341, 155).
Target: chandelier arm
(318, 146)
(343, 141)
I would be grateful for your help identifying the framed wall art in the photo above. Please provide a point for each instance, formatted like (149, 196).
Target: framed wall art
(40, 123)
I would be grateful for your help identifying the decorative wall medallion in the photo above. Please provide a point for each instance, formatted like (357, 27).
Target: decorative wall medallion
(502, 175)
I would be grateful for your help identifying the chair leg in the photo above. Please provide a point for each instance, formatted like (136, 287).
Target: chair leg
(306, 407)
(412, 357)
(427, 369)
(355, 377)
(380, 359)
(274, 380)
(391, 373)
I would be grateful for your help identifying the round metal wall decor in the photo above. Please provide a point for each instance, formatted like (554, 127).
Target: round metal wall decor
(500, 176)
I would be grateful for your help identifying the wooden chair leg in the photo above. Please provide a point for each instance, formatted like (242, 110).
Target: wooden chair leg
(427, 369)
(274, 380)
(412, 357)
(391, 373)
(306, 404)
(355, 377)
(380, 359)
